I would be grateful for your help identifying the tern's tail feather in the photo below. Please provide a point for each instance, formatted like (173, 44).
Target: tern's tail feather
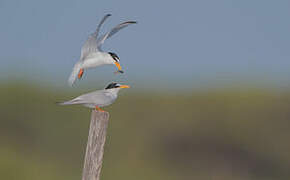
(64, 103)
(74, 73)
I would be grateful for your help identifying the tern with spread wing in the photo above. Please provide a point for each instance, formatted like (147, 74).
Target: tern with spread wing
(99, 98)
(92, 54)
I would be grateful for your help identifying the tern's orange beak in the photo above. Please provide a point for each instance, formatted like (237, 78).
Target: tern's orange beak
(118, 66)
(124, 86)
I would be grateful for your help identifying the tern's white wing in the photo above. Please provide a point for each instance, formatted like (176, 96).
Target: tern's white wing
(113, 31)
(91, 43)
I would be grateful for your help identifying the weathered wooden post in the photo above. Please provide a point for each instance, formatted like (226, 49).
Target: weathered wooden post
(95, 145)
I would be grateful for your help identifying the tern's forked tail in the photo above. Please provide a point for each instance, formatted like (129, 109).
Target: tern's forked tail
(74, 73)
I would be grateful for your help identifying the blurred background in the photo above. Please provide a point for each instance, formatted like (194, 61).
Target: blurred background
(209, 99)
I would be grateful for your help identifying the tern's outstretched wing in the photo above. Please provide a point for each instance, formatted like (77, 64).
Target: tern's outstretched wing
(91, 43)
(113, 31)
(100, 24)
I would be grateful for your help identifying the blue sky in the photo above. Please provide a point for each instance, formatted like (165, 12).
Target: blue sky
(185, 43)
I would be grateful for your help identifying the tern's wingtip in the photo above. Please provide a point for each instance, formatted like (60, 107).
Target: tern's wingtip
(58, 103)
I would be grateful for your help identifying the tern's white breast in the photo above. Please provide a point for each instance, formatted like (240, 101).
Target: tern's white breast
(96, 59)
(108, 100)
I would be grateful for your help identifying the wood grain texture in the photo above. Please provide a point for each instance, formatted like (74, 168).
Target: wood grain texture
(95, 145)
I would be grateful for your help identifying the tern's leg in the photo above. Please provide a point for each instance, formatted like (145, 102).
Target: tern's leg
(99, 109)
(81, 72)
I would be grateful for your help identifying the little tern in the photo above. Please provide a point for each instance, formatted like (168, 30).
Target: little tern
(92, 54)
(99, 98)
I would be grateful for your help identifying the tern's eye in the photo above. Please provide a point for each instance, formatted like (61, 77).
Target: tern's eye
(110, 86)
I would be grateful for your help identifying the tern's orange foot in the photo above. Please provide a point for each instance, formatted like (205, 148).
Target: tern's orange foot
(81, 72)
(99, 109)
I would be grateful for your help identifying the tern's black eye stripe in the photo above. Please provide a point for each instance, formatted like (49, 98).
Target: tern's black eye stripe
(112, 85)
(114, 56)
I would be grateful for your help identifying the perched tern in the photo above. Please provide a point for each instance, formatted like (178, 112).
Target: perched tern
(92, 54)
(99, 98)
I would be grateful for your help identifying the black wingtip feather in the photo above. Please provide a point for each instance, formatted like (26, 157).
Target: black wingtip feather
(58, 103)
(129, 22)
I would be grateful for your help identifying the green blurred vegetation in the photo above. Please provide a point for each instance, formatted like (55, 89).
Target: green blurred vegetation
(218, 134)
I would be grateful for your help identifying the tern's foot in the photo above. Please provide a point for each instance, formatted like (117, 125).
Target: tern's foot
(99, 109)
(81, 72)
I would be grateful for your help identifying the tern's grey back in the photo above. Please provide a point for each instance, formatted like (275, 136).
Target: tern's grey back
(99, 98)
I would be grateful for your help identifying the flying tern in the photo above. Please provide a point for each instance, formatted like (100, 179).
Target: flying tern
(92, 54)
(99, 98)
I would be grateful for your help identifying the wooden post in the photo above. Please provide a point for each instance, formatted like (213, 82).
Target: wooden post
(95, 145)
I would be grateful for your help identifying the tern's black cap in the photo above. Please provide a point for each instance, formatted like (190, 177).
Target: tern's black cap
(113, 85)
(114, 56)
